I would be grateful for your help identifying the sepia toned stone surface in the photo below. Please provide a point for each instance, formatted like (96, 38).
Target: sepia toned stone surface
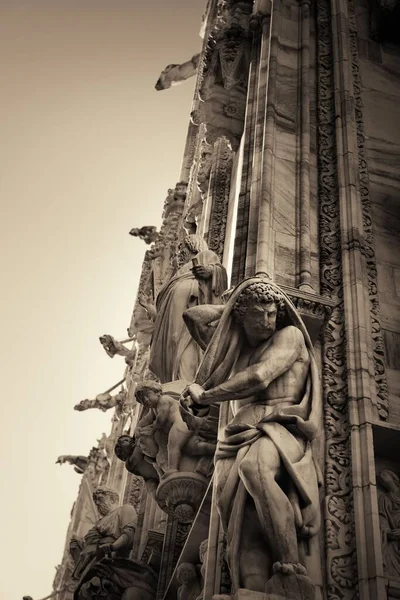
(289, 174)
(256, 445)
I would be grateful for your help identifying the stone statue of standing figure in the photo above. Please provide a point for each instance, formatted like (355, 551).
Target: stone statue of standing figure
(260, 358)
(200, 279)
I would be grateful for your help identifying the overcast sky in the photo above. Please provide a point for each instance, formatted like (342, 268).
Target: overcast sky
(88, 150)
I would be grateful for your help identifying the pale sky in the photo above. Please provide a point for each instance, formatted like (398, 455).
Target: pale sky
(88, 151)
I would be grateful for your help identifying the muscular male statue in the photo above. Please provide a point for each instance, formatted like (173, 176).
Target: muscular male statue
(260, 358)
(127, 450)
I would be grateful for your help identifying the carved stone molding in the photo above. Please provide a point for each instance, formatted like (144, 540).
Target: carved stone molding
(368, 247)
(315, 310)
(341, 567)
(220, 186)
(180, 495)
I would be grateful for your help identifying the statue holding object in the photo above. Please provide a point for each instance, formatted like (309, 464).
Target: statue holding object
(200, 279)
(260, 358)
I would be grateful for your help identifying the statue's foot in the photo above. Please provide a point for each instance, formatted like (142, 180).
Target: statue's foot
(289, 568)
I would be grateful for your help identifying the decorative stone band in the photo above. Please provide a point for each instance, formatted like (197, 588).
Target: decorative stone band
(314, 309)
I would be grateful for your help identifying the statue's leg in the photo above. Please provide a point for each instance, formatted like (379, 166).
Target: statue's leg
(259, 470)
(254, 554)
(177, 439)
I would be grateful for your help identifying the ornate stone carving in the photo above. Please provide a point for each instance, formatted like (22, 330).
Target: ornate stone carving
(389, 514)
(200, 278)
(137, 463)
(187, 574)
(111, 538)
(175, 74)
(113, 347)
(222, 82)
(80, 462)
(339, 524)
(147, 233)
(368, 246)
(258, 453)
(106, 401)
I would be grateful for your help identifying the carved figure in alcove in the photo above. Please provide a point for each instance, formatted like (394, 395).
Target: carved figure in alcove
(389, 514)
(260, 358)
(174, 74)
(127, 450)
(188, 576)
(114, 347)
(203, 549)
(200, 279)
(147, 233)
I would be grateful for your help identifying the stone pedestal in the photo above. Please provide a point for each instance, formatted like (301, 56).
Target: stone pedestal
(279, 587)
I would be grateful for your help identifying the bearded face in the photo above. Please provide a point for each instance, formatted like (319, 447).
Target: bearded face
(183, 256)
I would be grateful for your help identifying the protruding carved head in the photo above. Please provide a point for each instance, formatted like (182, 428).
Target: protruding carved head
(105, 499)
(164, 82)
(186, 573)
(124, 447)
(190, 246)
(260, 307)
(389, 480)
(148, 393)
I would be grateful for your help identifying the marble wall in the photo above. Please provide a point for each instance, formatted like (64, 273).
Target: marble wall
(380, 73)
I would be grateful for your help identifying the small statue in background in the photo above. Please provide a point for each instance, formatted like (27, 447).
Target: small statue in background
(174, 74)
(188, 576)
(136, 462)
(148, 233)
(80, 462)
(163, 424)
(113, 347)
(389, 513)
(200, 279)
(105, 401)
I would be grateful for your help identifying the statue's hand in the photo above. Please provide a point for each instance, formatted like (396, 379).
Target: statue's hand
(107, 549)
(202, 272)
(194, 393)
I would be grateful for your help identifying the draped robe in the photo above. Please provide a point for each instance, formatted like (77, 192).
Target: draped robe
(235, 440)
(174, 354)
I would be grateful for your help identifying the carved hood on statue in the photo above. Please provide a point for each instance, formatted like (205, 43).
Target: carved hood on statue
(282, 424)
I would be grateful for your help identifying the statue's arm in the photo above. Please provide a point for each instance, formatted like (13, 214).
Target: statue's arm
(202, 321)
(287, 346)
(146, 420)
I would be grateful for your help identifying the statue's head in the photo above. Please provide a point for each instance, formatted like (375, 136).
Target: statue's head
(189, 247)
(389, 480)
(105, 499)
(186, 572)
(124, 447)
(148, 393)
(259, 308)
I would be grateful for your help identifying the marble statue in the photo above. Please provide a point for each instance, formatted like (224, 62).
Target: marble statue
(112, 534)
(80, 462)
(163, 424)
(148, 233)
(188, 576)
(127, 450)
(203, 549)
(260, 358)
(200, 279)
(106, 401)
(389, 514)
(102, 568)
(113, 347)
(175, 74)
